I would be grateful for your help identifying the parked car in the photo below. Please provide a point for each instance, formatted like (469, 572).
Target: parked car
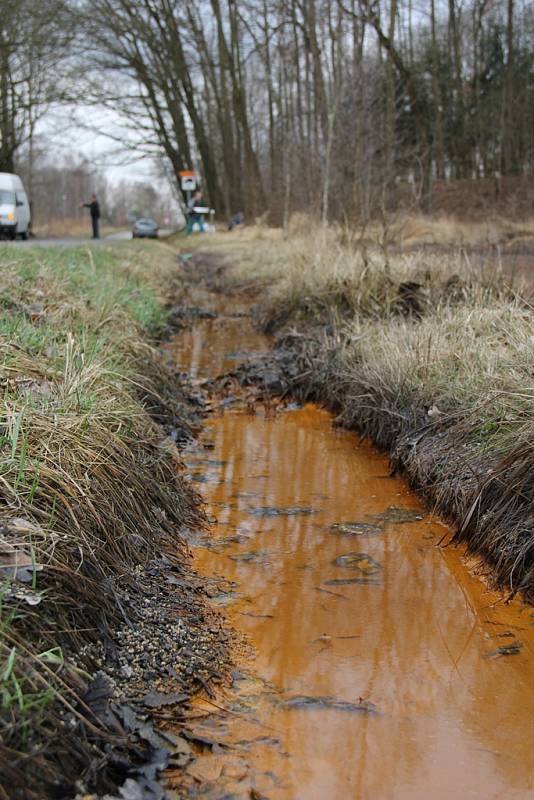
(145, 228)
(14, 207)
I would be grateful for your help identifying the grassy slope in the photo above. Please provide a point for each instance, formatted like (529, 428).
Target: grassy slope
(430, 359)
(84, 477)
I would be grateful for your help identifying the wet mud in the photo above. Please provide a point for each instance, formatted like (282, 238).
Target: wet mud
(378, 663)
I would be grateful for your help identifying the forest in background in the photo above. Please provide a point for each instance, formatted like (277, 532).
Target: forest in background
(60, 185)
(348, 109)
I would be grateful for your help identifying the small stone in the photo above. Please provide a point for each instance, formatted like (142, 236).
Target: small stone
(360, 561)
(235, 768)
(207, 768)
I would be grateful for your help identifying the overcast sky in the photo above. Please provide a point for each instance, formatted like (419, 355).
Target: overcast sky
(68, 131)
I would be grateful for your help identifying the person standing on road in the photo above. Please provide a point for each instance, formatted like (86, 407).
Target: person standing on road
(94, 208)
(192, 215)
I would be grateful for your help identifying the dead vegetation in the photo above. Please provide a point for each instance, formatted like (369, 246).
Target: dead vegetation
(448, 230)
(90, 488)
(325, 277)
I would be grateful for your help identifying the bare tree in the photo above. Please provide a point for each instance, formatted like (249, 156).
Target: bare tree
(342, 109)
(35, 40)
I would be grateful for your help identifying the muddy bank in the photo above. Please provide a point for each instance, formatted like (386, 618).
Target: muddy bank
(484, 489)
(105, 631)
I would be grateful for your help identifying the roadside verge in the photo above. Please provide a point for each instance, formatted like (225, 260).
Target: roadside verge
(98, 604)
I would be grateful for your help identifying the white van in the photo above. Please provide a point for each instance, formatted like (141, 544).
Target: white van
(14, 207)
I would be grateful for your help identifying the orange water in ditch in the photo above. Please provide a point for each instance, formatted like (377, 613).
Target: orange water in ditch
(420, 702)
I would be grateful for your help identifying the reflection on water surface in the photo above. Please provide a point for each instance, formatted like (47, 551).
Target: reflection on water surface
(370, 677)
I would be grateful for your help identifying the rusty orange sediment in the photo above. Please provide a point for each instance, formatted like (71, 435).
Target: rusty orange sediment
(393, 673)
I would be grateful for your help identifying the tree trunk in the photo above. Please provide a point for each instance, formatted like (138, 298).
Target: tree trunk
(508, 160)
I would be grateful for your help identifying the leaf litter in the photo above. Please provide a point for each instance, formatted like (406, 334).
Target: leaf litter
(356, 528)
(363, 581)
(302, 701)
(280, 511)
(252, 557)
(397, 515)
(360, 561)
(512, 649)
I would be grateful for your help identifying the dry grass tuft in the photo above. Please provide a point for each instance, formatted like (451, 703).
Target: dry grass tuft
(320, 277)
(417, 229)
(89, 487)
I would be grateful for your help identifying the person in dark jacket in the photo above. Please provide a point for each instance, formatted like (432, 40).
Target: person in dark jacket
(94, 209)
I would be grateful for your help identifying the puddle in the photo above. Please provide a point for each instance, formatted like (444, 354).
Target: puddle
(210, 345)
(379, 667)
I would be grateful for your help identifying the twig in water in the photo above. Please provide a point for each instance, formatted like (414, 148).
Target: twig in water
(334, 594)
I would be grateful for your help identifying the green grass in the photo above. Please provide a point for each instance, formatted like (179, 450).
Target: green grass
(83, 479)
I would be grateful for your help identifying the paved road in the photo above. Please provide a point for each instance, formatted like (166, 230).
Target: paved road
(74, 241)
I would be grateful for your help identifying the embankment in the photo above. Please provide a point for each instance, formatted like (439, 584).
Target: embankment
(431, 360)
(98, 604)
